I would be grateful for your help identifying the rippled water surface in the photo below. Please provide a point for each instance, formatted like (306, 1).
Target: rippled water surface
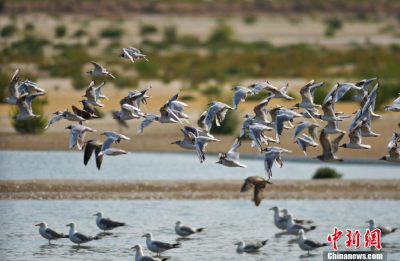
(167, 166)
(226, 221)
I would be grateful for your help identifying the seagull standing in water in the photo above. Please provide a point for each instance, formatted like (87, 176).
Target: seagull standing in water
(140, 257)
(79, 238)
(231, 159)
(99, 70)
(158, 246)
(308, 244)
(107, 224)
(384, 230)
(250, 247)
(293, 228)
(184, 231)
(49, 233)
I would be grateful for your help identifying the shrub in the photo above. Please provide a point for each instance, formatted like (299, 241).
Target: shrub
(111, 32)
(333, 24)
(250, 19)
(222, 33)
(80, 33)
(61, 30)
(29, 27)
(147, 29)
(33, 126)
(189, 41)
(326, 173)
(8, 30)
(188, 98)
(170, 34)
(212, 92)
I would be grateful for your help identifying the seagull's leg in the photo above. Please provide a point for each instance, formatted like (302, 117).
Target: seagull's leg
(310, 115)
(49, 242)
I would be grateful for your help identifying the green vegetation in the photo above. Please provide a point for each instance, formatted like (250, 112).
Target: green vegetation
(146, 29)
(326, 173)
(80, 33)
(333, 24)
(170, 35)
(60, 30)
(111, 32)
(229, 125)
(250, 19)
(8, 30)
(29, 27)
(222, 33)
(33, 126)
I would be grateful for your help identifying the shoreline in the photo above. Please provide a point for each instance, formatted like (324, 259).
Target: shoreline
(195, 189)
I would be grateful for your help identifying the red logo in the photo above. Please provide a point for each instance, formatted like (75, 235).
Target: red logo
(371, 238)
(335, 237)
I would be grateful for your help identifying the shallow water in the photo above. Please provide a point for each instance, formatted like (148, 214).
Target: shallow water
(226, 222)
(168, 166)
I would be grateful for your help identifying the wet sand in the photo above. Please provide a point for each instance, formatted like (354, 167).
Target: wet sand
(209, 189)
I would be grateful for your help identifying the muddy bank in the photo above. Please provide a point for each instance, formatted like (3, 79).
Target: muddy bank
(209, 189)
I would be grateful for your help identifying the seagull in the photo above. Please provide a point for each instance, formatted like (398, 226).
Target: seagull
(307, 96)
(158, 246)
(355, 138)
(240, 95)
(394, 150)
(140, 257)
(92, 96)
(364, 90)
(310, 113)
(242, 247)
(329, 112)
(308, 244)
(201, 124)
(79, 238)
(384, 230)
(306, 142)
(112, 137)
(329, 148)
(279, 126)
(274, 112)
(257, 87)
(395, 107)
(293, 228)
(279, 221)
(107, 224)
(187, 142)
(99, 70)
(273, 155)
(260, 116)
(231, 159)
(259, 185)
(98, 91)
(257, 134)
(135, 98)
(24, 103)
(90, 147)
(312, 129)
(112, 152)
(281, 93)
(70, 116)
(185, 231)
(332, 128)
(296, 220)
(13, 90)
(88, 111)
(218, 112)
(132, 53)
(361, 87)
(77, 135)
(168, 115)
(49, 233)
(28, 87)
(201, 143)
(128, 112)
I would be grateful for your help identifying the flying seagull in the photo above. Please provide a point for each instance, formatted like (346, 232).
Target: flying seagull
(259, 185)
(90, 147)
(240, 95)
(99, 70)
(77, 135)
(24, 103)
(231, 159)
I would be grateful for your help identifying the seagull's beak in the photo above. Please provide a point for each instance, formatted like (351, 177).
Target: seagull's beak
(87, 72)
(36, 225)
(67, 225)
(66, 128)
(102, 133)
(54, 112)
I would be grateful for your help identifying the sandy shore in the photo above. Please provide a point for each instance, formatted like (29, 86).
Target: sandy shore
(204, 189)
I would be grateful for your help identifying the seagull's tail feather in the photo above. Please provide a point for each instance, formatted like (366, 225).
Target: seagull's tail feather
(264, 242)
(65, 236)
(165, 259)
(178, 245)
(96, 238)
(200, 229)
(394, 229)
(313, 227)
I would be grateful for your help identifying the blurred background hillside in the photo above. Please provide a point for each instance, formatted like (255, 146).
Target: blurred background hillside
(202, 47)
